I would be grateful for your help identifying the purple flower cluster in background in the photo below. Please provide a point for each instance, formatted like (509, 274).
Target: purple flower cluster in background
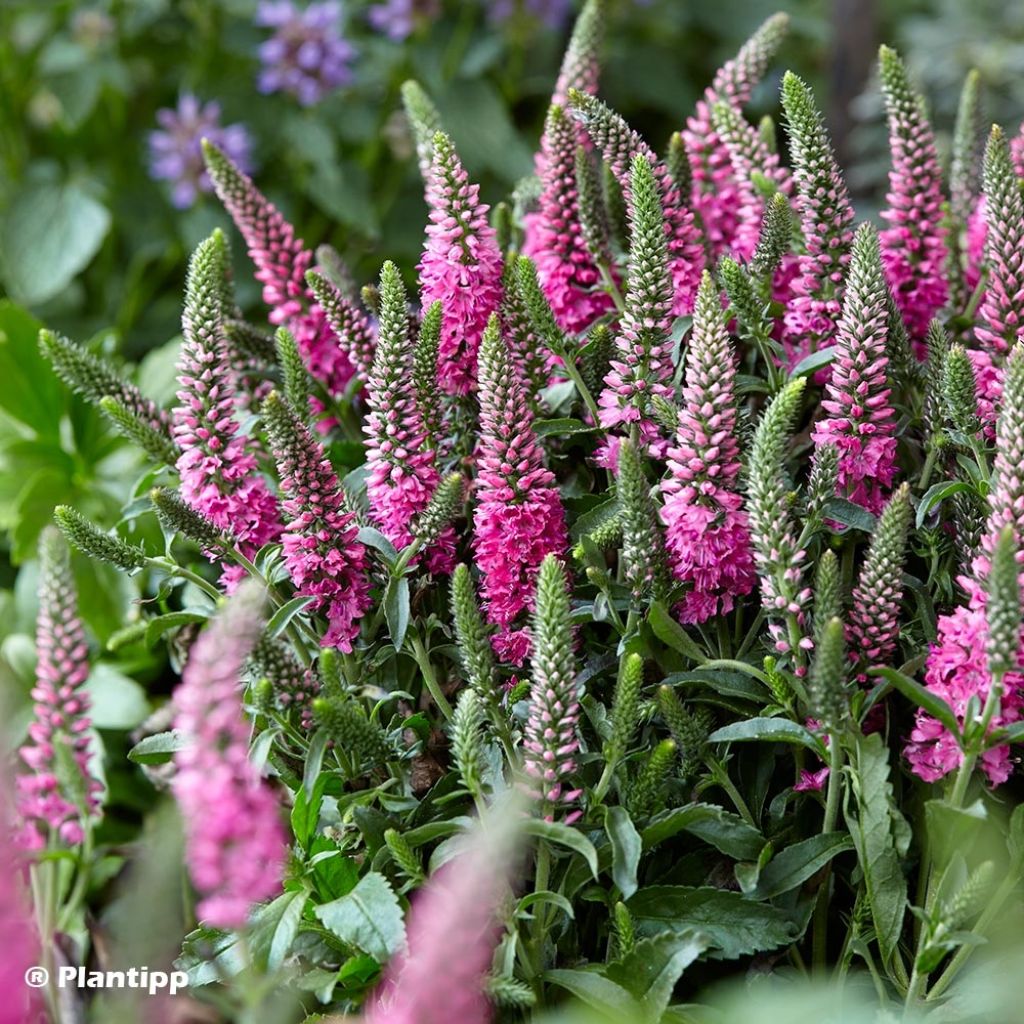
(307, 56)
(175, 150)
(397, 19)
(552, 12)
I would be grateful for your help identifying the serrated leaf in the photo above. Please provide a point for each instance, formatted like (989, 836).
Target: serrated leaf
(871, 828)
(771, 730)
(725, 831)
(369, 918)
(733, 925)
(795, 864)
(651, 969)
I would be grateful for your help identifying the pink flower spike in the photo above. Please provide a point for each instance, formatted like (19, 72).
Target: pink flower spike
(914, 251)
(281, 263)
(219, 476)
(461, 266)
(322, 553)
(568, 274)
(518, 518)
(235, 843)
(860, 419)
(707, 534)
(403, 471)
(52, 806)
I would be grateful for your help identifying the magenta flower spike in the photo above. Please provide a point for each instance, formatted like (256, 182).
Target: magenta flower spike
(957, 666)
(620, 146)
(1001, 316)
(715, 195)
(60, 795)
(235, 843)
(322, 552)
(281, 263)
(518, 516)
(403, 469)
(568, 274)
(707, 533)
(219, 475)
(861, 421)
(826, 216)
(914, 251)
(457, 910)
(461, 266)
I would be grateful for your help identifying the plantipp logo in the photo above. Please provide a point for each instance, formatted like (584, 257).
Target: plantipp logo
(138, 978)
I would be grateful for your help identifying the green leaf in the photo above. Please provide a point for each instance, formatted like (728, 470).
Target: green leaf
(814, 362)
(117, 701)
(159, 748)
(396, 610)
(848, 513)
(565, 426)
(279, 620)
(922, 698)
(597, 992)
(306, 811)
(31, 392)
(49, 233)
(795, 864)
(651, 969)
(314, 761)
(935, 495)
(369, 918)
(670, 633)
(563, 835)
(294, 903)
(626, 847)
(594, 517)
(871, 828)
(734, 925)
(556, 899)
(161, 624)
(725, 831)
(773, 730)
(373, 538)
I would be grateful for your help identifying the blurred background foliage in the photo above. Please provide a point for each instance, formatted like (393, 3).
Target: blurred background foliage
(92, 246)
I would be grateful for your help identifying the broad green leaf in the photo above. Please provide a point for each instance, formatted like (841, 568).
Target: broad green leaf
(160, 748)
(814, 362)
(772, 730)
(563, 835)
(715, 825)
(597, 992)
(594, 517)
(396, 610)
(626, 848)
(117, 701)
(49, 233)
(734, 925)
(283, 935)
(369, 918)
(651, 969)
(306, 810)
(556, 899)
(670, 633)
(795, 864)
(921, 697)
(30, 391)
(849, 513)
(870, 811)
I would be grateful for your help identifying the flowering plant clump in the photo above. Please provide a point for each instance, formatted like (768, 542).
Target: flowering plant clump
(628, 598)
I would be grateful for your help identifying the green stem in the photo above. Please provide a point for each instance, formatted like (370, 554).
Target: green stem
(821, 910)
(429, 678)
(721, 777)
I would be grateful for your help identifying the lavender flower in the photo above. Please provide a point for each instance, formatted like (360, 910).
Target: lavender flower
(176, 152)
(235, 844)
(397, 19)
(307, 56)
(55, 800)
